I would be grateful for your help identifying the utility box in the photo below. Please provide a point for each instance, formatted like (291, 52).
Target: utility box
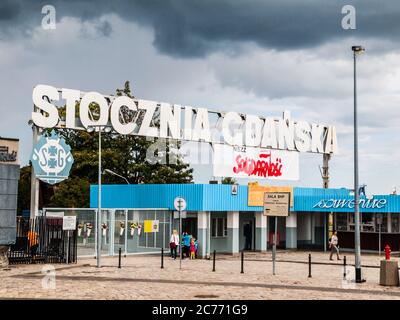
(389, 275)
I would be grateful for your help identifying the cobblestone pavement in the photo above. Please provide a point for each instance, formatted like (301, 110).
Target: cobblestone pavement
(142, 278)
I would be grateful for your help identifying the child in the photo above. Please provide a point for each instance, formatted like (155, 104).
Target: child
(192, 249)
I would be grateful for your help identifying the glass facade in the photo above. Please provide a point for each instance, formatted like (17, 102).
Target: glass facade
(370, 222)
(121, 229)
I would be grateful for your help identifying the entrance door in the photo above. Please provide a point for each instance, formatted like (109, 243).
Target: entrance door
(189, 225)
(248, 234)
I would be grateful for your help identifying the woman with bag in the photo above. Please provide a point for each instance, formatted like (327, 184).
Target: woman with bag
(173, 243)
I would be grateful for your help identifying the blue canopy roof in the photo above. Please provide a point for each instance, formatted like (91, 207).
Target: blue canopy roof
(218, 197)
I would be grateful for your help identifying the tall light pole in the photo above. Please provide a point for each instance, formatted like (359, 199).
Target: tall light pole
(356, 51)
(98, 226)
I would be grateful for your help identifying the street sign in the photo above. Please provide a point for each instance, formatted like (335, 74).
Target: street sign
(234, 189)
(379, 218)
(183, 214)
(180, 204)
(54, 214)
(69, 222)
(276, 204)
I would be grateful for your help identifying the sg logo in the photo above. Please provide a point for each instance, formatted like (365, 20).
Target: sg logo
(52, 159)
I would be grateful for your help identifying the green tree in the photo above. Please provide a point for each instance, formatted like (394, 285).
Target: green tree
(228, 180)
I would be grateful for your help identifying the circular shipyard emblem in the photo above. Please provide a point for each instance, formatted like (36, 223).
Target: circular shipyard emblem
(52, 159)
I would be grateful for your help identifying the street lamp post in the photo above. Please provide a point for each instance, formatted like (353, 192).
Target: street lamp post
(98, 233)
(116, 174)
(356, 51)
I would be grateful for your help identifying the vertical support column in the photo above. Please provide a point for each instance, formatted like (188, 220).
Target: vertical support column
(126, 233)
(233, 231)
(111, 237)
(325, 185)
(318, 229)
(291, 231)
(312, 224)
(34, 206)
(202, 222)
(261, 231)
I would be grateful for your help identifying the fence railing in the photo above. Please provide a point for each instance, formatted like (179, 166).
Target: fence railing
(42, 240)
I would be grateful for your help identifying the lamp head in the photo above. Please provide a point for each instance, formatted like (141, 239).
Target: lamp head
(358, 49)
(90, 129)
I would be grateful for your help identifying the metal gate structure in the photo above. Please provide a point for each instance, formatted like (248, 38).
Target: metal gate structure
(42, 240)
(117, 230)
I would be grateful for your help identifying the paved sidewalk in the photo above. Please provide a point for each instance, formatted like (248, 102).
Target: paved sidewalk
(142, 278)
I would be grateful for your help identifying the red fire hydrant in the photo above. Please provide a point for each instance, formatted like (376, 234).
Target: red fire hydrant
(387, 252)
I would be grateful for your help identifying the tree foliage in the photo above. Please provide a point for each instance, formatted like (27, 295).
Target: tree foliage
(228, 180)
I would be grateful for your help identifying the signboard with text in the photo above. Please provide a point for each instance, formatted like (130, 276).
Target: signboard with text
(276, 204)
(69, 222)
(255, 163)
(255, 197)
(9, 151)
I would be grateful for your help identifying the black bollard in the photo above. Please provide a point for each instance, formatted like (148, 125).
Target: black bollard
(242, 258)
(162, 258)
(119, 258)
(344, 268)
(309, 265)
(214, 261)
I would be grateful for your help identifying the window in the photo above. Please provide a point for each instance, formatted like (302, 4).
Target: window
(219, 227)
(341, 221)
(367, 222)
(395, 222)
(384, 225)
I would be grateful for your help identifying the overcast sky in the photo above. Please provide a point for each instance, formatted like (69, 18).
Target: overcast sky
(254, 56)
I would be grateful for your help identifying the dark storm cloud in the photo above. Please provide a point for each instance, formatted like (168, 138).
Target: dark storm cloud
(196, 28)
(9, 10)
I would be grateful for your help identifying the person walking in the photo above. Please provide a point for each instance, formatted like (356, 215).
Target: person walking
(333, 245)
(174, 243)
(33, 243)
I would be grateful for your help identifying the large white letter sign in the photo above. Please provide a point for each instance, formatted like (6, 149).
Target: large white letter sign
(236, 138)
(316, 133)
(303, 136)
(71, 97)
(183, 123)
(269, 134)
(93, 97)
(201, 126)
(187, 129)
(39, 119)
(286, 132)
(171, 120)
(145, 129)
(253, 131)
(118, 103)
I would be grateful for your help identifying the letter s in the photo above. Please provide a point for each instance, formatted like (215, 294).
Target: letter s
(39, 119)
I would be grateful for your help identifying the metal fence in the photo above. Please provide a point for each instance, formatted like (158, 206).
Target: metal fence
(42, 240)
